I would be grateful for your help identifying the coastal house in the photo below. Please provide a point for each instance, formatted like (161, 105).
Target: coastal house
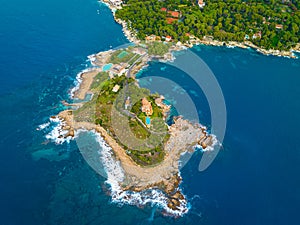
(174, 14)
(147, 107)
(118, 69)
(201, 3)
(171, 15)
(170, 20)
(168, 38)
(257, 35)
(151, 37)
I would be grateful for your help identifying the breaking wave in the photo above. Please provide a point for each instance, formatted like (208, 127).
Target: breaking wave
(43, 126)
(115, 175)
(57, 134)
(215, 142)
(77, 82)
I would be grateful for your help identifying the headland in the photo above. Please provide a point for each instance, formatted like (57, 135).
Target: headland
(132, 121)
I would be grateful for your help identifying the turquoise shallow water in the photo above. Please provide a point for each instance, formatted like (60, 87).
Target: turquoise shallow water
(254, 179)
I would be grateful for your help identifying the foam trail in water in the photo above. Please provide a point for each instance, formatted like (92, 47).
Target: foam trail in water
(43, 126)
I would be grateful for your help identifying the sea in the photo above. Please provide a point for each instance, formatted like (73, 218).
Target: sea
(44, 45)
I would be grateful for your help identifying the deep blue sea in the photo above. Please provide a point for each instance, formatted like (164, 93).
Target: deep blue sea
(253, 181)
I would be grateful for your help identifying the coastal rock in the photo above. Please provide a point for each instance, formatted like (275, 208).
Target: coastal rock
(204, 146)
(71, 133)
(66, 127)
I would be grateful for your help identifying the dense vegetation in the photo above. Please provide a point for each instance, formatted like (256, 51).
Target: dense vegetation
(228, 20)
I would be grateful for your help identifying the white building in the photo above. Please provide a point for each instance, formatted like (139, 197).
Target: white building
(201, 3)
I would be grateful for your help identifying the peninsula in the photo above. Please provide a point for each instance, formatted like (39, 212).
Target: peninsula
(132, 121)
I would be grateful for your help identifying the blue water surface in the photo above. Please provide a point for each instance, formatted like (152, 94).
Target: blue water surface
(43, 45)
(254, 179)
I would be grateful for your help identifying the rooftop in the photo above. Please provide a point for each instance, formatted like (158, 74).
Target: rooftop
(116, 88)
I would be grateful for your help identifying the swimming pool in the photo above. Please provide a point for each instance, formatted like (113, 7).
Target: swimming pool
(148, 121)
(107, 67)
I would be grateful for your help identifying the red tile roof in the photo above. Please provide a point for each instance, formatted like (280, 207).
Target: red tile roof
(170, 20)
(174, 14)
(164, 9)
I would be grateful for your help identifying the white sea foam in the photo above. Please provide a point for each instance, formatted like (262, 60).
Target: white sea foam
(211, 147)
(43, 126)
(57, 133)
(230, 46)
(115, 175)
(92, 59)
(78, 81)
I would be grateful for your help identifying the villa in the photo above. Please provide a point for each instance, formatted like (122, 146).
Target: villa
(170, 20)
(174, 14)
(118, 69)
(147, 107)
(257, 35)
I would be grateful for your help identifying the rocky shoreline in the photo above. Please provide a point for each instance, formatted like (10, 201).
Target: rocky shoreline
(164, 176)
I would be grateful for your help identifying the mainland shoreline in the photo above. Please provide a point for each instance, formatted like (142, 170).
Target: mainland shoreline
(207, 40)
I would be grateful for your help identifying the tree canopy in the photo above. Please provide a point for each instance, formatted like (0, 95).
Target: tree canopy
(267, 23)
